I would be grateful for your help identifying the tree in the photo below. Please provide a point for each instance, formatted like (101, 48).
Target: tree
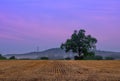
(12, 57)
(2, 57)
(83, 45)
(44, 58)
(67, 58)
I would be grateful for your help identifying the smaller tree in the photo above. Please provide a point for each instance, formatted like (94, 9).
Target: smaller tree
(12, 58)
(67, 58)
(44, 58)
(2, 57)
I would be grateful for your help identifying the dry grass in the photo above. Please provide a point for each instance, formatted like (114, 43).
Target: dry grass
(35, 70)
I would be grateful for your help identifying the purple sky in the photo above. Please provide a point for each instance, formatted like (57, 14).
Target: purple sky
(26, 24)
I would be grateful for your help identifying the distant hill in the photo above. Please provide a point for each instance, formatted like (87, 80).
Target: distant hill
(57, 53)
(115, 55)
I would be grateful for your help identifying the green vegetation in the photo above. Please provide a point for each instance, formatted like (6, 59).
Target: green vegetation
(2, 57)
(97, 57)
(12, 58)
(67, 58)
(44, 58)
(109, 58)
(25, 59)
(83, 45)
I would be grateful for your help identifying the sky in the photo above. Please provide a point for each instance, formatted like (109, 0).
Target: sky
(28, 24)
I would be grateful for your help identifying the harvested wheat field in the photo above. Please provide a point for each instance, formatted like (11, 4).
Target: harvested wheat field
(36, 70)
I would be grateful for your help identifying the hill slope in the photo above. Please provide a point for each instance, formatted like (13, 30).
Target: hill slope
(57, 53)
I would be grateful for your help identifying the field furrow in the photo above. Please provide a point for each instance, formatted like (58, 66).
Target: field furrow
(35, 70)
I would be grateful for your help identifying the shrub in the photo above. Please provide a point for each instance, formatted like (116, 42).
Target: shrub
(93, 58)
(2, 57)
(78, 58)
(98, 57)
(68, 58)
(12, 57)
(25, 59)
(90, 58)
(109, 58)
(44, 58)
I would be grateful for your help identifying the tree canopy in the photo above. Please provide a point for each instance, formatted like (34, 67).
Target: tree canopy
(2, 57)
(12, 57)
(80, 43)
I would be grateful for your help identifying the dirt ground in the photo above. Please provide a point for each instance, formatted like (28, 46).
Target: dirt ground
(59, 70)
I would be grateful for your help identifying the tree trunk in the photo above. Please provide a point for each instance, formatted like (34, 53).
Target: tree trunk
(80, 54)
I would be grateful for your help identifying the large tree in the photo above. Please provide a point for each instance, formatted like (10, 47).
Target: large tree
(80, 43)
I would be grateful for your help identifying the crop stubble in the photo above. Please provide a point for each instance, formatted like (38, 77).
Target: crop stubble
(36, 70)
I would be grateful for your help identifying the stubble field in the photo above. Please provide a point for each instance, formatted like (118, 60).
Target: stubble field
(36, 70)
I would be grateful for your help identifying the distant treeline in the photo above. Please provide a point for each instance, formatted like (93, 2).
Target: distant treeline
(4, 58)
(97, 57)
